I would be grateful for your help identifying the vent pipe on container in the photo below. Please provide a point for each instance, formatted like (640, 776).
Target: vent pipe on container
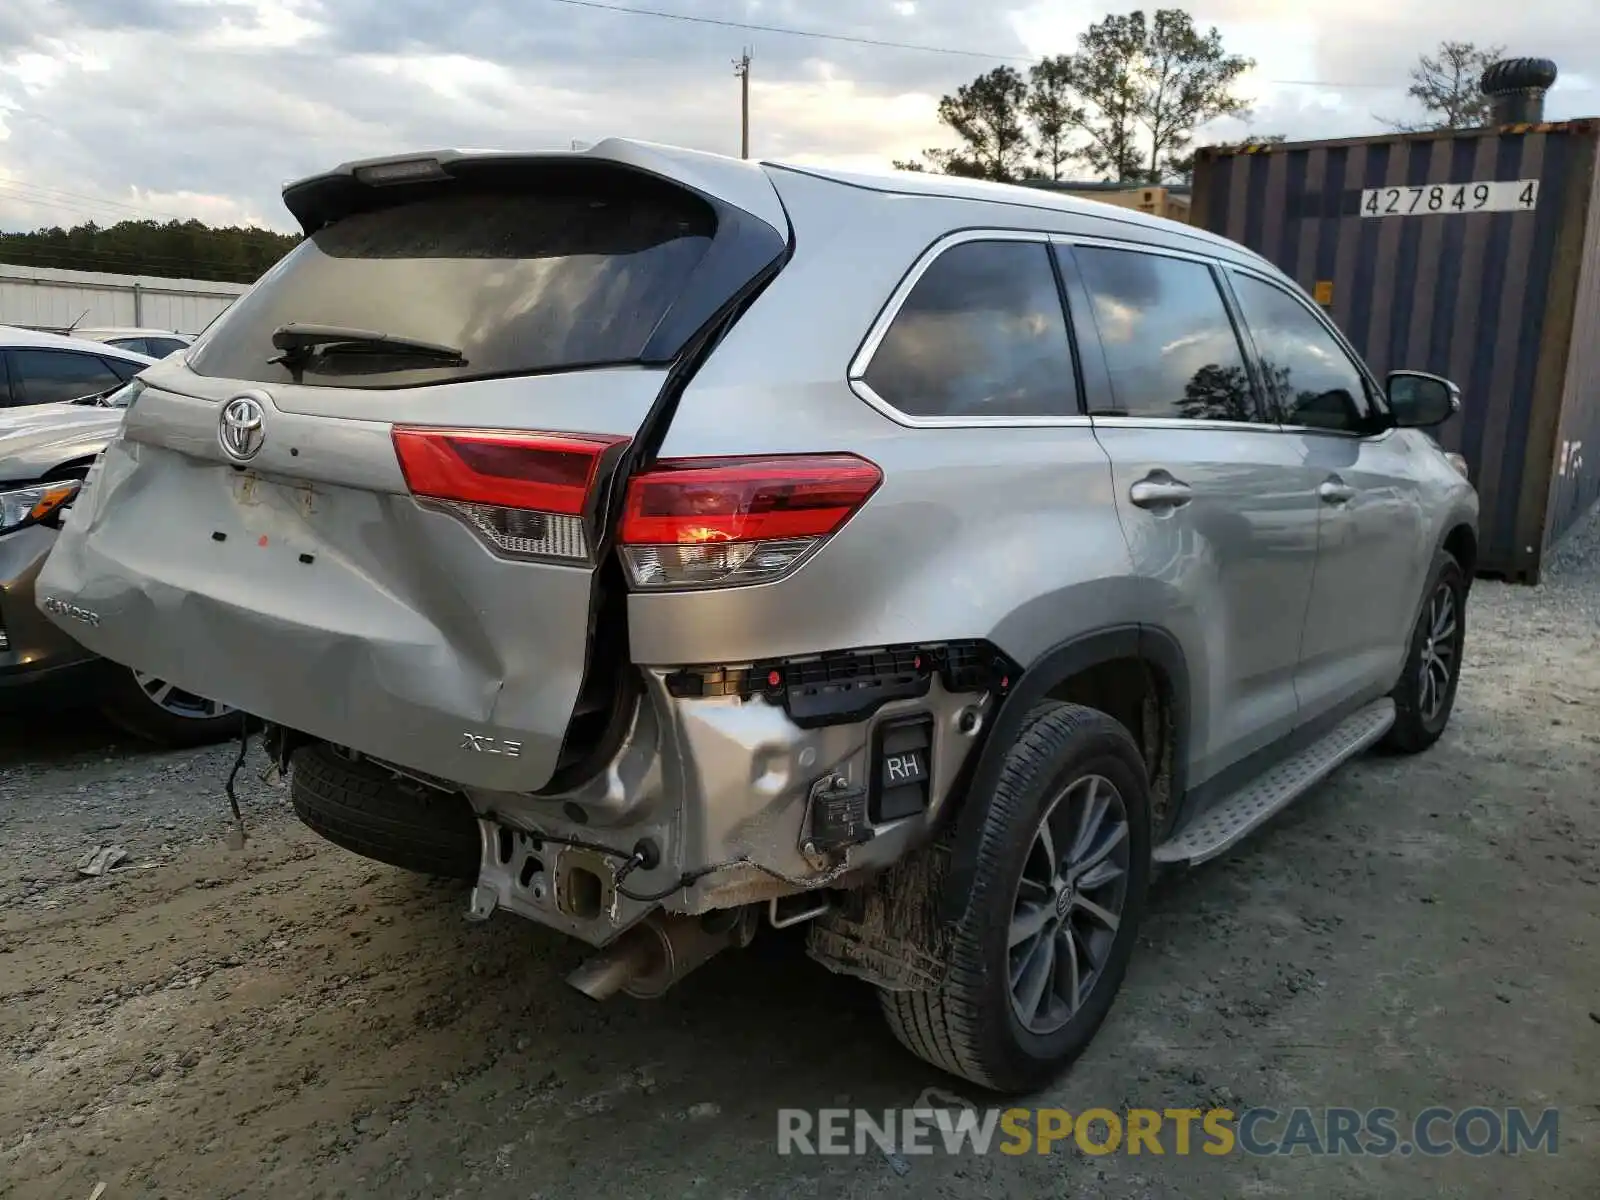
(1515, 88)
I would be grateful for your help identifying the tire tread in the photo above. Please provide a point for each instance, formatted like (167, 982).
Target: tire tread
(365, 810)
(944, 1027)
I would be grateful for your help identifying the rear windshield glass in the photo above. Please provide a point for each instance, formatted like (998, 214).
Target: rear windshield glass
(517, 282)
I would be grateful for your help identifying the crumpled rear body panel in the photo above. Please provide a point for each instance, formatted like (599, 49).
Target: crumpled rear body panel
(359, 616)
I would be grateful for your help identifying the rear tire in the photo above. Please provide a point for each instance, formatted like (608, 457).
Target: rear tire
(1426, 693)
(1045, 862)
(179, 723)
(365, 809)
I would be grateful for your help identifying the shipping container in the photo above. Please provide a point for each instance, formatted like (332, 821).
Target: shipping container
(1162, 201)
(1473, 254)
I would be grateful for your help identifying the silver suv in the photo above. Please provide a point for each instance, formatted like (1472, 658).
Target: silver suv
(664, 542)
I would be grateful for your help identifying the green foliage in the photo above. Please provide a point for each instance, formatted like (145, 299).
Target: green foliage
(1053, 108)
(1126, 104)
(174, 249)
(987, 116)
(1446, 85)
(1185, 78)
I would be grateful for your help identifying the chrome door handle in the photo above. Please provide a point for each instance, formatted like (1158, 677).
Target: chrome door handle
(1167, 493)
(1332, 492)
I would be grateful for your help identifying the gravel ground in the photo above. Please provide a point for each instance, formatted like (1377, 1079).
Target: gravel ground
(289, 1020)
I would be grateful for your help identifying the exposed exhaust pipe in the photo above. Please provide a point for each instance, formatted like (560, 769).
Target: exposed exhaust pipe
(652, 956)
(1516, 88)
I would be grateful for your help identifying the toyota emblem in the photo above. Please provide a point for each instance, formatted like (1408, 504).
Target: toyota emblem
(241, 429)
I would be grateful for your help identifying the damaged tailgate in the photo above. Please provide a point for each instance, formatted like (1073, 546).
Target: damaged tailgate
(371, 503)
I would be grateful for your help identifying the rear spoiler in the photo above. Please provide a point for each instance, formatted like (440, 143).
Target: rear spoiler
(728, 182)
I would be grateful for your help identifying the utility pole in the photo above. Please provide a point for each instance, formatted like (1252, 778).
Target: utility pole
(741, 68)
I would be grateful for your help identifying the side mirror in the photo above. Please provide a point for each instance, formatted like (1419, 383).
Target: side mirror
(1419, 400)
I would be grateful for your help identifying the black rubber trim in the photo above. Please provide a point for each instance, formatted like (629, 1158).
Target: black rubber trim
(1145, 642)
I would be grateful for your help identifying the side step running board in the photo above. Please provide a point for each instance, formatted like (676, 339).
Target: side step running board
(1231, 819)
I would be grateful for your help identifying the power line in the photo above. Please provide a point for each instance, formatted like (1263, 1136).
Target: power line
(59, 210)
(818, 35)
(784, 30)
(96, 201)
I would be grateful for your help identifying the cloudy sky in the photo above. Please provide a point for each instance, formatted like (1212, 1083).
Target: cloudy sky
(118, 108)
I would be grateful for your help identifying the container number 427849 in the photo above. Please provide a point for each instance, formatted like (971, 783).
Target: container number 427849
(1441, 199)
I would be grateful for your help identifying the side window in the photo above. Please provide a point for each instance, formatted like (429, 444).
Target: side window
(157, 347)
(122, 368)
(982, 334)
(137, 344)
(1308, 374)
(1170, 346)
(53, 376)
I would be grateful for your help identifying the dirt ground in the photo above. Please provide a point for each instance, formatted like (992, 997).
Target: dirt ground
(290, 1020)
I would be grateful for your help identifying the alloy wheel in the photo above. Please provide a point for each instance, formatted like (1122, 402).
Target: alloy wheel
(1068, 904)
(1440, 653)
(170, 698)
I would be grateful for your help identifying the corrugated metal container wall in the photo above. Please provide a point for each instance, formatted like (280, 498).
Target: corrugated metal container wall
(1575, 487)
(1418, 280)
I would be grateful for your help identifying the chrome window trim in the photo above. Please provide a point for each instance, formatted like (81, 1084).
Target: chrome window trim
(1124, 422)
(1095, 241)
(864, 390)
(856, 373)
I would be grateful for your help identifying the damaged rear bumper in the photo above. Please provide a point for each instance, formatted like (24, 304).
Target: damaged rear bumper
(720, 801)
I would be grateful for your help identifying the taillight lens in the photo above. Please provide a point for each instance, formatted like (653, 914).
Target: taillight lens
(526, 494)
(706, 522)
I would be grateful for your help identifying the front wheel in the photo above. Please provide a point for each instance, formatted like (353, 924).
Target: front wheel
(1063, 863)
(1426, 693)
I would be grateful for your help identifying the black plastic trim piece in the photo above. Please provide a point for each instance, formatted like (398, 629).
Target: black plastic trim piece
(847, 686)
(890, 798)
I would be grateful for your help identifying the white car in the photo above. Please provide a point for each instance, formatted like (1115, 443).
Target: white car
(157, 343)
(45, 368)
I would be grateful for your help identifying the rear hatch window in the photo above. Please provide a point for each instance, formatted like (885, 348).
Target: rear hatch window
(577, 273)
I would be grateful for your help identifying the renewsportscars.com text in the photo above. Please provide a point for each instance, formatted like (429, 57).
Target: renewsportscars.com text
(1177, 1131)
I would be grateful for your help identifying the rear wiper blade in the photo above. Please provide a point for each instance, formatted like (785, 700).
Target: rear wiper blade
(297, 340)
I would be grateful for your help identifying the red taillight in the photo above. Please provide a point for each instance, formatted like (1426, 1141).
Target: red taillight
(707, 521)
(547, 472)
(526, 493)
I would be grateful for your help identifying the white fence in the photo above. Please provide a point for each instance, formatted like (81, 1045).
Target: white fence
(44, 298)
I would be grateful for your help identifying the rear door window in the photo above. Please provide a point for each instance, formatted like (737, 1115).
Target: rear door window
(159, 347)
(982, 333)
(1170, 346)
(518, 281)
(55, 376)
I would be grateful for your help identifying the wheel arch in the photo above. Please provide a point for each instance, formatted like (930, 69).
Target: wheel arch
(1461, 543)
(1058, 674)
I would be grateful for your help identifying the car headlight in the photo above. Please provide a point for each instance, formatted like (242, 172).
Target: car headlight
(36, 504)
(1459, 462)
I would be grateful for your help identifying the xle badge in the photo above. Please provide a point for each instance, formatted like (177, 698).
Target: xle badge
(482, 743)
